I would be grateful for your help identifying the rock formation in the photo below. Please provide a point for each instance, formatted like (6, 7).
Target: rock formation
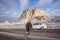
(34, 14)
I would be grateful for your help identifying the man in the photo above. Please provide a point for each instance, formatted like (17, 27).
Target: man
(28, 27)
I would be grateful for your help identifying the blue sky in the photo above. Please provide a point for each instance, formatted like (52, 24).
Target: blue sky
(11, 9)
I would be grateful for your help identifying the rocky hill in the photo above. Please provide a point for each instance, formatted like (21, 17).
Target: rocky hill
(34, 15)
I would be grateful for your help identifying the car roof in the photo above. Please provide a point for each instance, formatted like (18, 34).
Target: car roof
(37, 23)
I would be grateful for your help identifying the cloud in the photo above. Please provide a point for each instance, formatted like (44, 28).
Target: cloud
(11, 13)
(12, 4)
(54, 9)
(23, 4)
(7, 14)
(2, 10)
(56, 4)
(55, 12)
(44, 2)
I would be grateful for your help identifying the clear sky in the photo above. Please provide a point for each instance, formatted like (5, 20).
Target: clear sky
(11, 9)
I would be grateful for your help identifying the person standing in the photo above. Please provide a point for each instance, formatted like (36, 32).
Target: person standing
(28, 27)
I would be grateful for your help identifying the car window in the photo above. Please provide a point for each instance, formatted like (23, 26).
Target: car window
(36, 24)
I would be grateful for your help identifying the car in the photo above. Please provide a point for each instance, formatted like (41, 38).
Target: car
(39, 26)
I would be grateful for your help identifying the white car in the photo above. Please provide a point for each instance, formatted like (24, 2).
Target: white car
(39, 26)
